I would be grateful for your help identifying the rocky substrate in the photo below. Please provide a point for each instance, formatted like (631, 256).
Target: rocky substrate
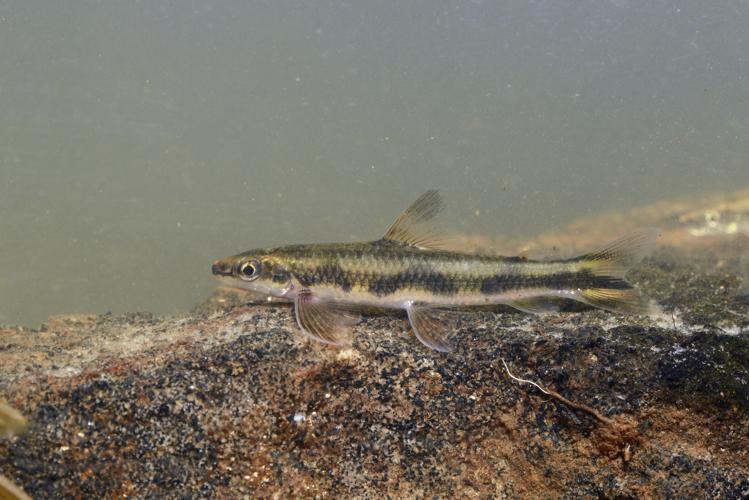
(229, 401)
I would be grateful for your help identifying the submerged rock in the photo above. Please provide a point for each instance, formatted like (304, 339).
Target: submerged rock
(227, 400)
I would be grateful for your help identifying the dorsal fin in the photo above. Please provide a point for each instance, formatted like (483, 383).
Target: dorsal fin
(411, 228)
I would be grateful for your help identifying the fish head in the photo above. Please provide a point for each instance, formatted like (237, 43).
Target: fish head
(258, 271)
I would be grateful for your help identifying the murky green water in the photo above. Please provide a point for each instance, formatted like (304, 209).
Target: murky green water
(140, 140)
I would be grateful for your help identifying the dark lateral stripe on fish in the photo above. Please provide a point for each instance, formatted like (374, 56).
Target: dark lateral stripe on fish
(328, 273)
(415, 276)
(430, 281)
(558, 281)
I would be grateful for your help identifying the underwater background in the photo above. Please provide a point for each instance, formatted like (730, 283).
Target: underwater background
(141, 140)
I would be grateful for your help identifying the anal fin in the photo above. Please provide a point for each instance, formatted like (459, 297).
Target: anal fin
(535, 305)
(324, 321)
(619, 300)
(433, 326)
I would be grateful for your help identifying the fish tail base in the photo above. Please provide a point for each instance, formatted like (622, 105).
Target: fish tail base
(612, 263)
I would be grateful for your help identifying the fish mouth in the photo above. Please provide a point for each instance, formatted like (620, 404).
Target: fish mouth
(219, 268)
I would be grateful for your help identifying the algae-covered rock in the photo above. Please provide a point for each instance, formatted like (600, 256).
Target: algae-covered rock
(228, 401)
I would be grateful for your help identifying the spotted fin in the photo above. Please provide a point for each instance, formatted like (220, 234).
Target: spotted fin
(324, 321)
(433, 326)
(412, 225)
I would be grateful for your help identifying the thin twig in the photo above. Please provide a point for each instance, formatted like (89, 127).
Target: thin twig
(577, 406)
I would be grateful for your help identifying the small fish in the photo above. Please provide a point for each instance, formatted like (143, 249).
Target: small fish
(410, 269)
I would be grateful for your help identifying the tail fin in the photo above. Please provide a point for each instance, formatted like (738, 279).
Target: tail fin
(610, 264)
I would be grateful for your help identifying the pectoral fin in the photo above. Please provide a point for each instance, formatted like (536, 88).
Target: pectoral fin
(434, 327)
(323, 321)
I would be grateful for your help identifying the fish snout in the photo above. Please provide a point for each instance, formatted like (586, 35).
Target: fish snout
(220, 268)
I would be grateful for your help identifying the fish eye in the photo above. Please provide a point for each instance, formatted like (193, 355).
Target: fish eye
(249, 270)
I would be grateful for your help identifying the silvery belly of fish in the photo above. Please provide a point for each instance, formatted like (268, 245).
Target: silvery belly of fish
(409, 269)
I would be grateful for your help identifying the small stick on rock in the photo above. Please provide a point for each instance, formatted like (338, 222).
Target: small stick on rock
(555, 395)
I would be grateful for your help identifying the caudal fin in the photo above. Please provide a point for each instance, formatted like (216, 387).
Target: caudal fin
(609, 265)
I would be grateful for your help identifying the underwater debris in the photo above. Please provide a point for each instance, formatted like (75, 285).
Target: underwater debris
(558, 397)
(11, 423)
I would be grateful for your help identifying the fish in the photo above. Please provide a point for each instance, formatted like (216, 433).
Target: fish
(411, 268)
